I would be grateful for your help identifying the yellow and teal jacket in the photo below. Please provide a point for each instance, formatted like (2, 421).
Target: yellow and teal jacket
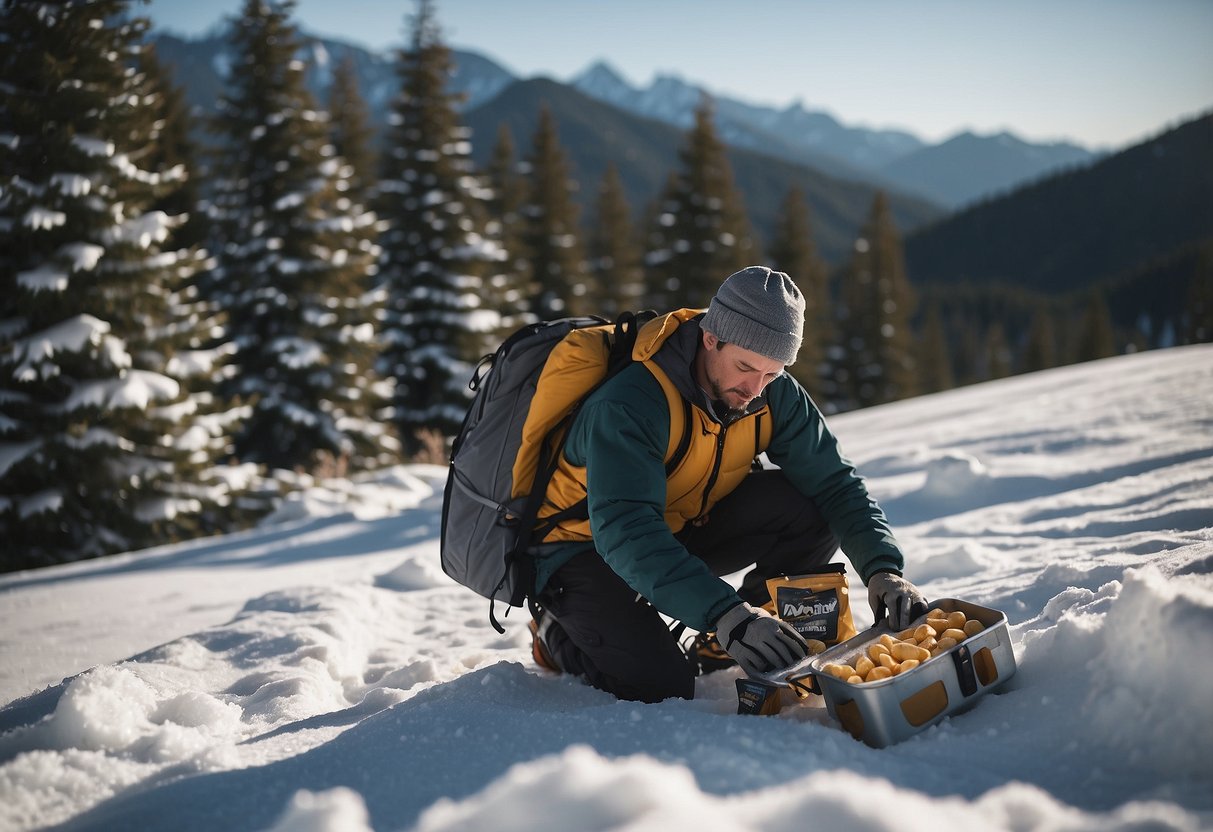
(616, 457)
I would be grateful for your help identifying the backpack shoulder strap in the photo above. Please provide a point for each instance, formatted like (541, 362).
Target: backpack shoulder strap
(684, 443)
(682, 418)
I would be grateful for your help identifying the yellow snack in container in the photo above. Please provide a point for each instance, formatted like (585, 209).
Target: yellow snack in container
(878, 673)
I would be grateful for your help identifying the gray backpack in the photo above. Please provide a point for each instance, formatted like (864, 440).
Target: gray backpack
(487, 528)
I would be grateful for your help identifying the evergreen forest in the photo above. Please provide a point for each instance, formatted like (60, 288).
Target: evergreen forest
(189, 328)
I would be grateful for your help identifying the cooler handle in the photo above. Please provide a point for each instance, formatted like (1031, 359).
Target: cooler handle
(963, 659)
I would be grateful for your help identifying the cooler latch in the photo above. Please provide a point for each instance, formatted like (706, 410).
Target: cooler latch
(963, 659)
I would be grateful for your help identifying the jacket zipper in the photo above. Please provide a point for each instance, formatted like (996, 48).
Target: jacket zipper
(703, 507)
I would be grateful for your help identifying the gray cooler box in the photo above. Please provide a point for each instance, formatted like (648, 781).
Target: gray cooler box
(890, 710)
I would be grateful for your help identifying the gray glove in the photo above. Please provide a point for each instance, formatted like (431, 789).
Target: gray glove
(758, 641)
(889, 591)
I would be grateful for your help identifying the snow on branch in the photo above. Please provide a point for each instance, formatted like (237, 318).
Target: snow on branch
(43, 218)
(165, 508)
(97, 436)
(13, 452)
(33, 354)
(297, 353)
(152, 227)
(135, 388)
(49, 501)
(92, 146)
(298, 415)
(191, 363)
(83, 256)
(133, 172)
(347, 223)
(43, 279)
(291, 200)
(72, 184)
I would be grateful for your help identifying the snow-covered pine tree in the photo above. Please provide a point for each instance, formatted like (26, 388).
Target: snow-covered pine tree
(793, 251)
(438, 261)
(350, 130)
(175, 147)
(653, 245)
(193, 345)
(615, 256)
(551, 237)
(91, 418)
(295, 260)
(701, 234)
(508, 288)
(875, 309)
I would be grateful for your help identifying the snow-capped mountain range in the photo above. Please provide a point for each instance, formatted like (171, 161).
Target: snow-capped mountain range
(670, 99)
(952, 173)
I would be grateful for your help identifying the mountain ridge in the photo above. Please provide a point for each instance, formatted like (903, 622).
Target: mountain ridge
(645, 152)
(1135, 228)
(840, 202)
(793, 133)
(998, 239)
(818, 139)
(1145, 202)
(944, 172)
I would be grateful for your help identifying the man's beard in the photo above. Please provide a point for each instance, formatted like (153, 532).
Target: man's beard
(720, 403)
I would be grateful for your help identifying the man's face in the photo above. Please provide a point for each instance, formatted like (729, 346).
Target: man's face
(731, 374)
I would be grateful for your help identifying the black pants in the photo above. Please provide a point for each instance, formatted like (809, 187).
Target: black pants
(620, 644)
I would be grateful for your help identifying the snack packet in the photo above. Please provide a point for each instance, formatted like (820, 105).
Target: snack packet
(817, 604)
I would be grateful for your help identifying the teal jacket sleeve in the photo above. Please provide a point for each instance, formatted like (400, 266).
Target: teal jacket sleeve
(808, 453)
(622, 446)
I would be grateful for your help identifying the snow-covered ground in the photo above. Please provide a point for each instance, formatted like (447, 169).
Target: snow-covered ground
(321, 673)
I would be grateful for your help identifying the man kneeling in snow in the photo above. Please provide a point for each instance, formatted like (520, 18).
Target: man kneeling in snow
(660, 533)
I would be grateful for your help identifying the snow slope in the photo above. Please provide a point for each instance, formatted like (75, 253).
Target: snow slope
(321, 673)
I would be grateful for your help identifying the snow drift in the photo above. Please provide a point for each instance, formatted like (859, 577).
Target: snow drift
(321, 673)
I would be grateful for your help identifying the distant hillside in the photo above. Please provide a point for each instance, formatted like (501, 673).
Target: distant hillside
(1078, 229)
(646, 152)
(949, 173)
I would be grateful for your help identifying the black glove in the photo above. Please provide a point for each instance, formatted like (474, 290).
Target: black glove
(889, 591)
(758, 641)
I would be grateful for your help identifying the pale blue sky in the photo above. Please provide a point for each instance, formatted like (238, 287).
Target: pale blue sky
(1104, 73)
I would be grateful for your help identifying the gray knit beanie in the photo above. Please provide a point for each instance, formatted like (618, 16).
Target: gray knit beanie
(760, 310)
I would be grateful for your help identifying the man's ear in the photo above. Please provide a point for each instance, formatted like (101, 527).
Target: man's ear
(709, 340)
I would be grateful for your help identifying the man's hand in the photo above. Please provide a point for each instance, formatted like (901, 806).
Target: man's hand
(758, 641)
(889, 591)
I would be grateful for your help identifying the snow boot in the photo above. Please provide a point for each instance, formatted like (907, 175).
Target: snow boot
(707, 654)
(541, 624)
